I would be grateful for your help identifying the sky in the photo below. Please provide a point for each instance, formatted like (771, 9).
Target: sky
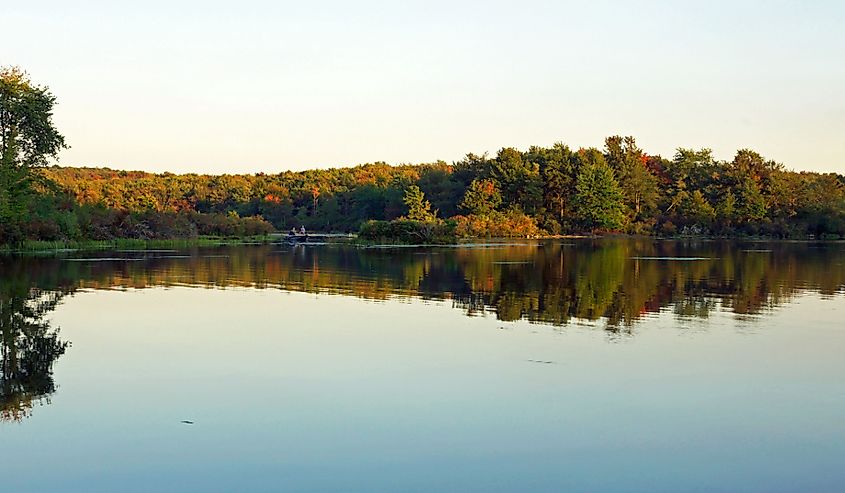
(268, 86)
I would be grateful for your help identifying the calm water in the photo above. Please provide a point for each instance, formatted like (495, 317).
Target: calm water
(630, 365)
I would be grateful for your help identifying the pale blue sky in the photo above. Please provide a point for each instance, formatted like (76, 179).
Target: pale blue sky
(246, 86)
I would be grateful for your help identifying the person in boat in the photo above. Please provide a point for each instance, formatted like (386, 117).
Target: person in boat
(292, 231)
(302, 230)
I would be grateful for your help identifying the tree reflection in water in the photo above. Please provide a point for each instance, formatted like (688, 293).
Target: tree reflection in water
(29, 347)
(619, 282)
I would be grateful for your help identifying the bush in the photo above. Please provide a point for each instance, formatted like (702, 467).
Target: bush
(509, 224)
(408, 231)
(644, 227)
(551, 226)
(42, 228)
(668, 228)
(230, 225)
(69, 225)
(256, 226)
(170, 225)
(99, 223)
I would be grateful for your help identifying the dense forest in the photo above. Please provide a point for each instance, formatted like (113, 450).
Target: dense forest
(552, 190)
(541, 190)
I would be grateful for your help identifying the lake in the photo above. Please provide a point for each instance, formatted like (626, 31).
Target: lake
(543, 366)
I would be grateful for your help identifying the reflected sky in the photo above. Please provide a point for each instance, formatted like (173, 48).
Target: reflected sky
(317, 388)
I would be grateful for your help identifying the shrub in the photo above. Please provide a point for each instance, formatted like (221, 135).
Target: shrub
(510, 224)
(408, 231)
(256, 226)
(668, 228)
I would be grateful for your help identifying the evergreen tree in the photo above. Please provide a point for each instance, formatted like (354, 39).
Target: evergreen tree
(518, 180)
(598, 198)
(419, 209)
(557, 170)
(481, 198)
(638, 184)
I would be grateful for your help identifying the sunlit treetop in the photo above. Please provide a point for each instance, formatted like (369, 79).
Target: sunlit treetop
(28, 137)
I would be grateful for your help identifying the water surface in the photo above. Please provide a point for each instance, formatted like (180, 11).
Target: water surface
(615, 365)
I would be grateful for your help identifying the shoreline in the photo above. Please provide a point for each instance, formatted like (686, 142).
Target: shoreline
(45, 246)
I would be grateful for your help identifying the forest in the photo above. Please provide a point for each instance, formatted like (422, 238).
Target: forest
(543, 190)
(554, 190)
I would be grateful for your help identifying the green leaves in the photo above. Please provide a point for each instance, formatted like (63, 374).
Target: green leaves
(598, 198)
(481, 198)
(27, 140)
(563, 191)
(27, 135)
(419, 209)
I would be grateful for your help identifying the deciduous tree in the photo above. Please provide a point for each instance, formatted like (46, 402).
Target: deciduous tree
(28, 139)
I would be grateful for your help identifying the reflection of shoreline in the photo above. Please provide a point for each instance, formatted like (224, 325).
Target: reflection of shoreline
(618, 283)
(617, 280)
(30, 346)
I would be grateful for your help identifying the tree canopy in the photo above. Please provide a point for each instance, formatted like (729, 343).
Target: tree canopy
(552, 190)
(28, 139)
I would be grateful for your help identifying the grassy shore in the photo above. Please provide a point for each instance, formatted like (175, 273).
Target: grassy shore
(40, 246)
(31, 246)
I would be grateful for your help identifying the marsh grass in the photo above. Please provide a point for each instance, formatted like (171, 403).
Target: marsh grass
(40, 246)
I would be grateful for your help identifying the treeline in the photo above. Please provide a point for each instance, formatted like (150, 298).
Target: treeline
(553, 190)
(543, 190)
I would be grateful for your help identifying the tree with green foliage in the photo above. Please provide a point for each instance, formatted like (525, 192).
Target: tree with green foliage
(481, 198)
(698, 210)
(28, 140)
(688, 170)
(471, 167)
(726, 212)
(598, 198)
(638, 184)
(541, 190)
(441, 188)
(419, 209)
(751, 175)
(557, 169)
(518, 180)
(750, 164)
(752, 204)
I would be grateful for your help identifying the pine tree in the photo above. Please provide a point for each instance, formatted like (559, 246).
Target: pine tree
(419, 209)
(598, 198)
(481, 198)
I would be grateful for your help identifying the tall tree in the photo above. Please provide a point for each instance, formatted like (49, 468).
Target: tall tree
(598, 198)
(557, 167)
(472, 166)
(481, 198)
(27, 140)
(752, 204)
(441, 188)
(518, 180)
(638, 184)
(690, 170)
(751, 175)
